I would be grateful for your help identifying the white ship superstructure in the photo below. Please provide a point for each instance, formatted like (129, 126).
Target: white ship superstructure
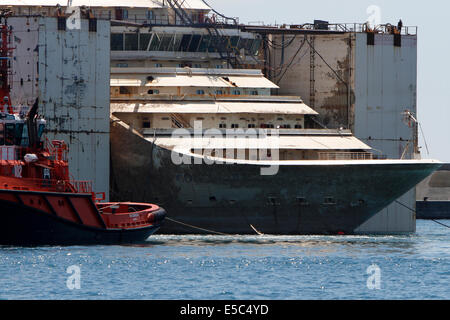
(158, 101)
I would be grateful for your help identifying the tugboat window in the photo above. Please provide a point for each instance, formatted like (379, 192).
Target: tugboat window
(9, 134)
(2, 134)
(41, 130)
(19, 132)
(25, 142)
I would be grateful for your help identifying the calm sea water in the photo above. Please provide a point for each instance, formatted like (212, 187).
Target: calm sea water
(237, 267)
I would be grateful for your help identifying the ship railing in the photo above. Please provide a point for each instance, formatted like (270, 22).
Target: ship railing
(82, 186)
(345, 156)
(53, 185)
(9, 153)
(174, 20)
(355, 27)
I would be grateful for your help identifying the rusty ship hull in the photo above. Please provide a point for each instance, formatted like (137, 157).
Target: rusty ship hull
(304, 197)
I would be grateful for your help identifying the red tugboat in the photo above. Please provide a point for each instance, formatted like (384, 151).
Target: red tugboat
(39, 203)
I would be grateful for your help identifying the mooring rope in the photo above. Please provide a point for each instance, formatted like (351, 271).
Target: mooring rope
(404, 205)
(198, 228)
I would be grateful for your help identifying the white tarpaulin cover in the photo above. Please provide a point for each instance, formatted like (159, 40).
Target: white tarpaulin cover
(219, 107)
(296, 142)
(182, 80)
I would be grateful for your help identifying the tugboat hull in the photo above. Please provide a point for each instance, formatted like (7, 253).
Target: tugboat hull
(29, 226)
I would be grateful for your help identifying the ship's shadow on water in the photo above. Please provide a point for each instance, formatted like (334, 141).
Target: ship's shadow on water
(403, 241)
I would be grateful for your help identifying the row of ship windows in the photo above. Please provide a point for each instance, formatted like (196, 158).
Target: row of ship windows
(262, 126)
(233, 92)
(179, 65)
(273, 201)
(124, 90)
(147, 125)
(182, 43)
(16, 134)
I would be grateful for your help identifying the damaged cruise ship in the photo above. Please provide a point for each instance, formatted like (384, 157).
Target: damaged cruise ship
(197, 128)
(221, 153)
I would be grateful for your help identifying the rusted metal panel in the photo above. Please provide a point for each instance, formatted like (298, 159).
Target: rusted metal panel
(74, 90)
(386, 86)
(320, 71)
(69, 73)
(365, 88)
(24, 65)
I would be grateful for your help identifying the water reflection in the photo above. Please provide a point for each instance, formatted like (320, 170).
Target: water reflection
(302, 241)
(309, 245)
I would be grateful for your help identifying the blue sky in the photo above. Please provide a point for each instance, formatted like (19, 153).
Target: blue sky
(432, 19)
